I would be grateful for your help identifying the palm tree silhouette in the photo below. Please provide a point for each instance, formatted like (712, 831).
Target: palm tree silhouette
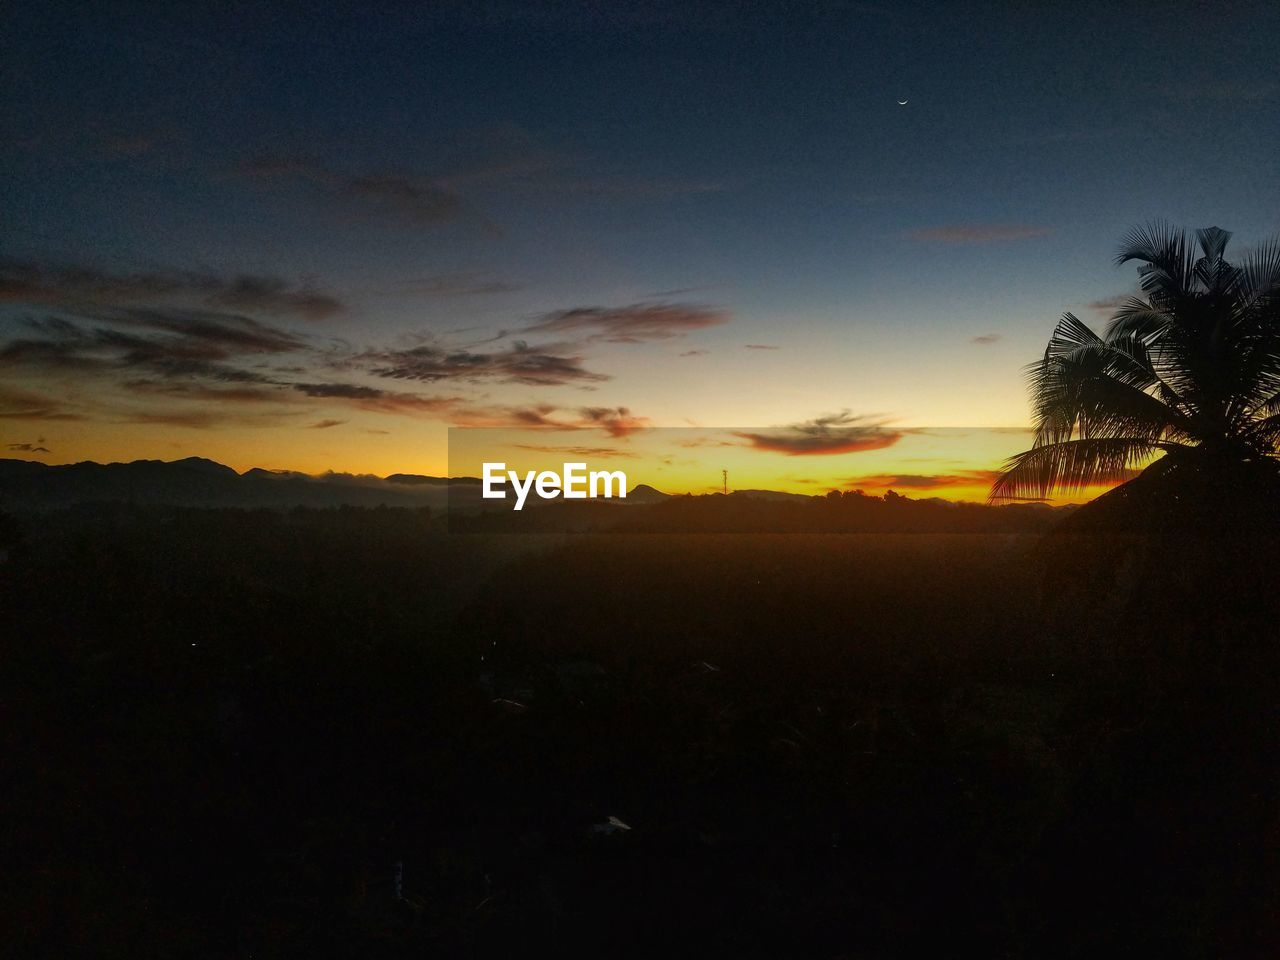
(1191, 372)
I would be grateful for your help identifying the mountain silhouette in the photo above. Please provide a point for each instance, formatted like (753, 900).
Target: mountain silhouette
(643, 493)
(199, 482)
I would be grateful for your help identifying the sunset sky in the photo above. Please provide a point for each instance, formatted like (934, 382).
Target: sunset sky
(316, 242)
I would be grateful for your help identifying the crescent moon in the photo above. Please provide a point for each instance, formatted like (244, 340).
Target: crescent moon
(902, 103)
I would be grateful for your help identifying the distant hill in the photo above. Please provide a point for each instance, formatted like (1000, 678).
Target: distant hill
(197, 482)
(28, 486)
(769, 495)
(643, 493)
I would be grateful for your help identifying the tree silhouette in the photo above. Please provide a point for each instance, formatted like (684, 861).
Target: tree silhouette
(1191, 372)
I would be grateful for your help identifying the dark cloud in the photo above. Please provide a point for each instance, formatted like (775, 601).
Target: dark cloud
(203, 391)
(918, 481)
(28, 447)
(760, 346)
(174, 345)
(636, 323)
(986, 339)
(197, 419)
(381, 401)
(966, 233)
(325, 424)
(405, 199)
(213, 335)
(695, 353)
(824, 436)
(598, 453)
(615, 421)
(22, 405)
(518, 364)
(78, 286)
(343, 391)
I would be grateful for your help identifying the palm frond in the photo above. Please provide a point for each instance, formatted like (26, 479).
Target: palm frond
(1213, 242)
(1099, 388)
(1071, 465)
(1264, 434)
(1260, 278)
(1165, 254)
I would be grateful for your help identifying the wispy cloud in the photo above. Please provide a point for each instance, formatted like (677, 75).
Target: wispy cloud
(381, 401)
(171, 344)
(197, 418)
(186, 390)
(972, 233)
(922, 481)
(985, 339)
(760, 346)
(464, 284)
(325, 424)
(24, 405)
(635, 323)
(615, 422)
(824, 436)
(594, 453)
(405, 199)
(82, 286)
(1109, 305)
(519, 363)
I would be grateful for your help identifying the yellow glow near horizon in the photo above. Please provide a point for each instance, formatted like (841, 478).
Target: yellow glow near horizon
(952, 463)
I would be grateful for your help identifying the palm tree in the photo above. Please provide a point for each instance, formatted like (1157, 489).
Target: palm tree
(1190, 372)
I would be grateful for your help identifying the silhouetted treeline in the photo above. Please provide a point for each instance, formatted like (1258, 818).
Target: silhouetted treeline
(837, 512)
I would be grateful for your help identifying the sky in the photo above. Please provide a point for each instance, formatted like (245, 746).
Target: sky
(316, 240)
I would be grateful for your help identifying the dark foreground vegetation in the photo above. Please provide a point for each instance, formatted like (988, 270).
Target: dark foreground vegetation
(347, 733)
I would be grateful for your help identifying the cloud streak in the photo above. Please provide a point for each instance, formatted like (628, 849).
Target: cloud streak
(635, 323)
(519, 364)
(595, 453)
(824, 436)
(23, 405)
(79, 287)
(918, 481)
(404, 199)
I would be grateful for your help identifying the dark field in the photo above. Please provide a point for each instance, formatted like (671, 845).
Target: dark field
(227, 734)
